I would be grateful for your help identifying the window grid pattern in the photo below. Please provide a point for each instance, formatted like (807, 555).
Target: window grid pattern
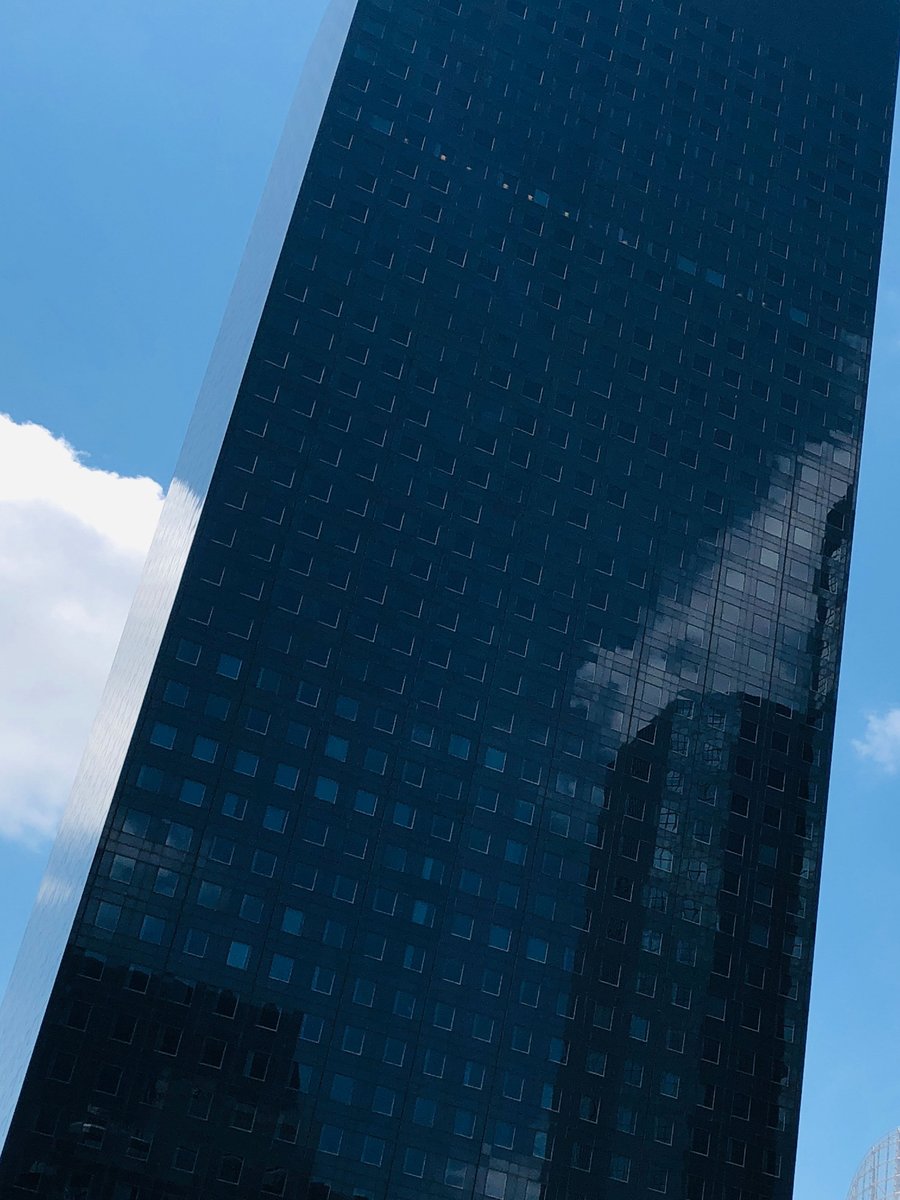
(468, 843)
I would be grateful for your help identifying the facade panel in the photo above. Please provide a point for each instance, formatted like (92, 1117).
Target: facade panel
(468, 838)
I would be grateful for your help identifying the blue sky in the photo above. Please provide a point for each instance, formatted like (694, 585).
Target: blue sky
(137, 139)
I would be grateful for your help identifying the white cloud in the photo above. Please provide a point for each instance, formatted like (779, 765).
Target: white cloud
(72, 542)
(881, 742)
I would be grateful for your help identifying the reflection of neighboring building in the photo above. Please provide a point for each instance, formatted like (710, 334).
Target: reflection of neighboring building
(878, 1177)
(699, 934)
(695, 1001)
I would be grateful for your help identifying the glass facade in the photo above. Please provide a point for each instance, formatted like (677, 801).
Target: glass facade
(878, 1177)
(467, 840)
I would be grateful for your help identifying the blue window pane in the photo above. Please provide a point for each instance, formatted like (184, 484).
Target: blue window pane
(459, 747)
(252, 908)
(229, 666)
(282, 968)
(192, 792)
(209, 894)
(179, 837)
(275, 819)
(196, 942)
(347, 708)
(336, 747)
(330, 1138)
(326, 789)
(150, 779)
(163, 735)
(238, 956)
(494, 758)
(107, 915)
(166, 883)
(414, 1163)
(152, 930)
(234, 806)
(455, 1173)
(287, 776)
(176, 693)
(217, 707)
(188, 652)
(205, 749)
(246, 763)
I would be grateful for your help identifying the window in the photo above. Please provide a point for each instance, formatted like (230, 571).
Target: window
(263, 863)
(251, 909)
(365, 802)
(473, 1077)
(107, 916)
(460, 747)
(663, 859)
(152, 930)
(184, 1159)
(414, 1163)
(326, 789)
(188, 652)
(282, 968)
(330, 1138)
(455, 1174)
(234, 806)
(229, 666)
(179, 837)
(292, 921)
(537, 950)
(620, 1168)
(372, 1151)
(494, 758)
(212, 1054)
(238, 956)
(423, 913)
(287, 777)
(246, 763)
(499, 938)
(205, 749)
(192, 792)
(337, 748)
(163, 736)
(195, 943)
(669, 1085)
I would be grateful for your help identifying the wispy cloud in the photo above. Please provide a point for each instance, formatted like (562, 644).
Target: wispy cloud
(881, 741)
(72, 542)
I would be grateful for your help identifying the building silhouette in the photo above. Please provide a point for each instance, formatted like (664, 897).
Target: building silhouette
(453, 820)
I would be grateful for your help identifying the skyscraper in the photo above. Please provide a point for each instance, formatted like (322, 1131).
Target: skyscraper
(453, 820)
